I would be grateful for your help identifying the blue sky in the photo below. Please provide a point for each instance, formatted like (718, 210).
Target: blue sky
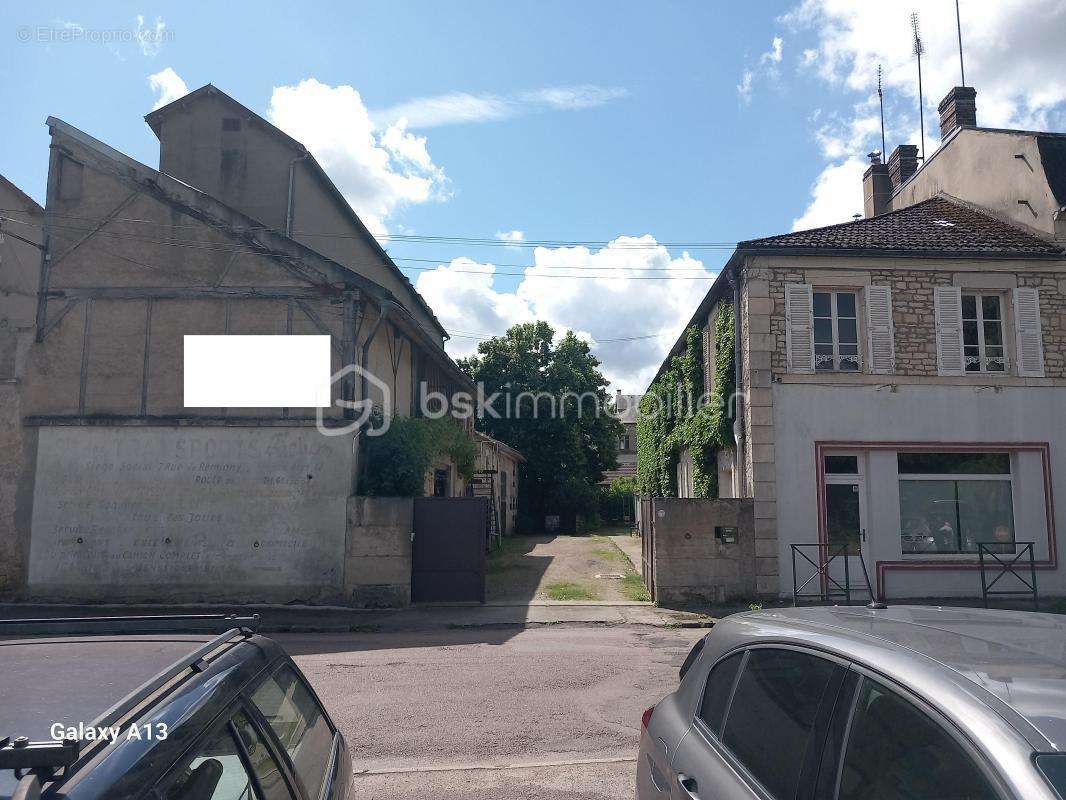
(679, 122)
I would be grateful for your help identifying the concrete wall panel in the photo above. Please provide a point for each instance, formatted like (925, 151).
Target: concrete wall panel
(168, 514)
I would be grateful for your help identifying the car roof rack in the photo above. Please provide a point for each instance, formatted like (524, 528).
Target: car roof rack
(158, 623)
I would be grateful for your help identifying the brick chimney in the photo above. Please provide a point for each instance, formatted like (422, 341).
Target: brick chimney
(957, 109)
(876, 186)
(902, 164)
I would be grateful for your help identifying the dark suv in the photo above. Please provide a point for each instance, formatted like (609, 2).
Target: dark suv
(127, 708)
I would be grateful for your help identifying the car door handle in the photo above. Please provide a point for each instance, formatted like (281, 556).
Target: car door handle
(688, 785)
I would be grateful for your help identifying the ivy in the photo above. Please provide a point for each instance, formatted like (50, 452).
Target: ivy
(399, 459)
(675, 416)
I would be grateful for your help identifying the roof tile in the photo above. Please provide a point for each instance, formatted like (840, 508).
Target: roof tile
(939, 224)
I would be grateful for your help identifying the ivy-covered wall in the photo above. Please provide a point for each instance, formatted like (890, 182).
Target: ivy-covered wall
(676, 416)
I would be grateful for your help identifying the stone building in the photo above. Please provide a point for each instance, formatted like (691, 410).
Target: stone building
(626, 410)
(903, 376)
(121, 491)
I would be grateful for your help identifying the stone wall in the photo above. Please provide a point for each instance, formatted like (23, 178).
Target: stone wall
(689, 565)
(377, 552)
(759, 346)
(1052, 319)
(913, 312)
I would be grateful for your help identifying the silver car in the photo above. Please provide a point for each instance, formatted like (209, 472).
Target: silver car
(903, 703)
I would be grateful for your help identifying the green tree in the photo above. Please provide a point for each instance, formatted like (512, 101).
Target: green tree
(552, 405)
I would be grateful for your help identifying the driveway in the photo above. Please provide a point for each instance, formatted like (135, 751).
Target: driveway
(564, 568)
(548, 713)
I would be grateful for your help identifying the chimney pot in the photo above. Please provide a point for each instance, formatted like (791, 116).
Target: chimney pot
(902, 164)
(959, 108)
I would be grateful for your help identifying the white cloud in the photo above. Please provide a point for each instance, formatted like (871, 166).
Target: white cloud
(462, 107)
(169, 85)
(610, 306)
(573, 98)
(150, 38)
(1013, 52)
(767, 66)
(379, 170)
(836, 195)
(511, 237)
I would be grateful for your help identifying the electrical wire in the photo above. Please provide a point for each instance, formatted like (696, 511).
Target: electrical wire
(431, 238)
(601, 271)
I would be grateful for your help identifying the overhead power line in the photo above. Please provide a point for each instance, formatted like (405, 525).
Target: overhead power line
(478, 241)
(598, 271)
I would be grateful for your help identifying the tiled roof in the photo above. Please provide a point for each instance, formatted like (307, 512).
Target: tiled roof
(939, 224)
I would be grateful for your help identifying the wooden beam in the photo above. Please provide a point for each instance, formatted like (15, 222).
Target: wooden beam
(57, 318)
(193, 293)
(320, 326)
(84, 378)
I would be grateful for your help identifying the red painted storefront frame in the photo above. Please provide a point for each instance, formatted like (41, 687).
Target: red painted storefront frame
(918, 565)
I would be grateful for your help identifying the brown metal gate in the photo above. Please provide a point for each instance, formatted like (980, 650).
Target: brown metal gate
(448, 557)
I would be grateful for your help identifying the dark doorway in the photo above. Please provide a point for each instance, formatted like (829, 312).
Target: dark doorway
(448, 558)
(440, 483)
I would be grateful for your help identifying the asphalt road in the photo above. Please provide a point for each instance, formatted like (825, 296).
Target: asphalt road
(550, 712)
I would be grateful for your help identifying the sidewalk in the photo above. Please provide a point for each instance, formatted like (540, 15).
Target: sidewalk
(314, 619)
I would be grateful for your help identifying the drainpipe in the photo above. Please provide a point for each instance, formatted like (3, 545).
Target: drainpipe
(289, 205)
(738, 378)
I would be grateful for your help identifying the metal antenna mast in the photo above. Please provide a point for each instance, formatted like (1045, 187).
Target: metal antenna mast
(881, 100)
(919, 49)
(958, 26)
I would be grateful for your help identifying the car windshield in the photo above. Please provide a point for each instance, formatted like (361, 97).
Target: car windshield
(1053, 767)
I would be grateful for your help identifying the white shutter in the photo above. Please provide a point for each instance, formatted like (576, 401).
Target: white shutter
(1027, 329)
(879, 329)
(799, 327)
(949, 353)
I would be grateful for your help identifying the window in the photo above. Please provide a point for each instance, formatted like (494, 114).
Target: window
(982, 333)
(623, 442)
(217, 770)
(951, 502)
(836, 332)
(841, 465)
(894, 750)
(295, 716)
(771, 718)
(716, 695)
(231, 124)
(440, 482)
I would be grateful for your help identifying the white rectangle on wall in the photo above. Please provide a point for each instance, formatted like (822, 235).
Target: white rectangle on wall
(271, 371)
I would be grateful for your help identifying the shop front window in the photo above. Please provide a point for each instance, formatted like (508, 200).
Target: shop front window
(952, 502)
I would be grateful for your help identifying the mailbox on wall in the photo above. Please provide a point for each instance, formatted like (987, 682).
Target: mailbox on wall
(725, 535)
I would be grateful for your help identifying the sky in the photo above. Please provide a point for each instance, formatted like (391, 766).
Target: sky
(590, 164)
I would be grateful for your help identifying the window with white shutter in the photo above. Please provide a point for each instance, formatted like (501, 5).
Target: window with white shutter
(799, 327)
(879, 329)
(947, 301)
(1028, 334)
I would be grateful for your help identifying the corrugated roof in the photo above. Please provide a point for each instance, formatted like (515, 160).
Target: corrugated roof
(940, 225)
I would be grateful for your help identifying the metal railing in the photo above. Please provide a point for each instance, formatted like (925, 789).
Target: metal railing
(829, 586)
(1008, 567)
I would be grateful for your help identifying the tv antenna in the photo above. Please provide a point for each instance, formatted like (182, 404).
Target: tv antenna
(958, 27)
(919, 49)
(881, 100)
